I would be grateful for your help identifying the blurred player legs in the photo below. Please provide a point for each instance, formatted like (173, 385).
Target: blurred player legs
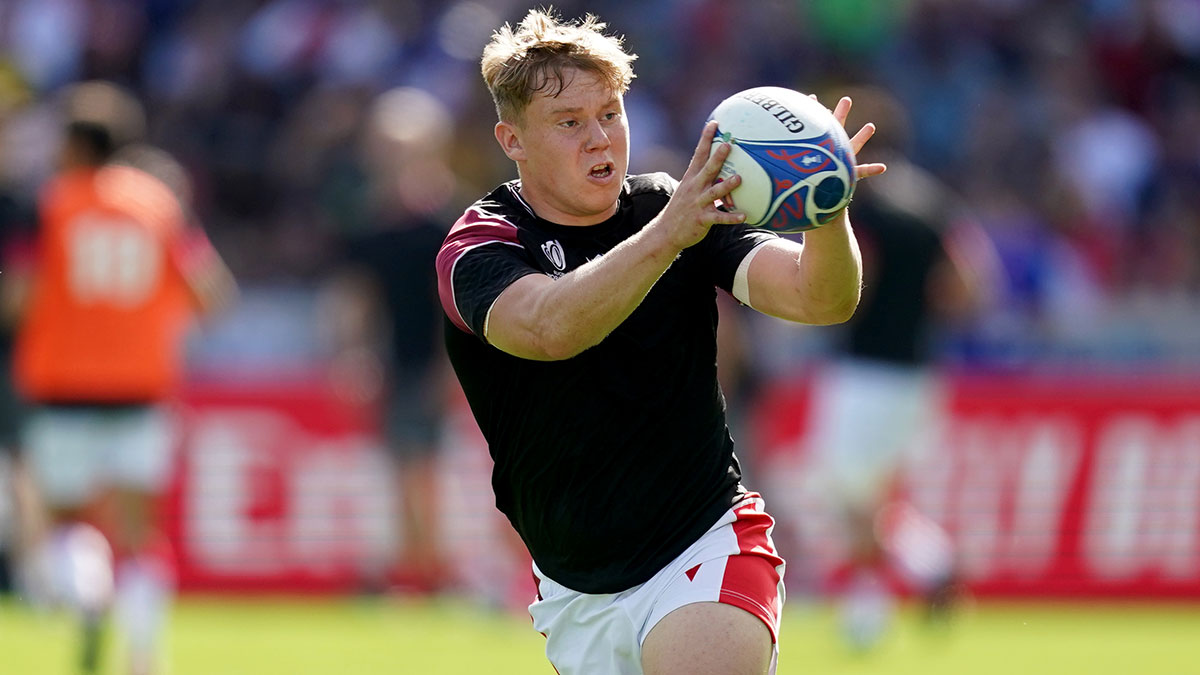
(926, 267)
(81, 457)
(412, 425)
(867, 419)
(21, 519)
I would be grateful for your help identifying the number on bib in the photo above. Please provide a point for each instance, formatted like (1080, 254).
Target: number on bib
(112, 260)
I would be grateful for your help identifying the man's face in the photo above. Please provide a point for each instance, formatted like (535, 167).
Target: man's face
(572, 151)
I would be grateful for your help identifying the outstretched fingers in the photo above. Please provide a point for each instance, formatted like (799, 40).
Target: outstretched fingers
(842, 111)
(712, 168)
(856, 144)
(705, 167)
(703, 148)
(868, 170)
(717, 188)
(720, 217)
(694, 207)
(858, 140)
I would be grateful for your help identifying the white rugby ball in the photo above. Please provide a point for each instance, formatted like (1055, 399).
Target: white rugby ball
(795, 159)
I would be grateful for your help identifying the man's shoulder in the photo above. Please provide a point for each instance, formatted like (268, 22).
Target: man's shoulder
(112, 189)
(498, 214)
(657, 184)
(138, 193)
(67, 187)
(646, 195)
(495, 219)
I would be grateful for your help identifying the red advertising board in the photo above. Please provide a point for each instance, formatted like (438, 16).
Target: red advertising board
(1047, 486)
(280, 487)
(285, 486)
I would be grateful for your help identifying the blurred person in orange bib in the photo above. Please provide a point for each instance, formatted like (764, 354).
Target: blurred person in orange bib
(118, 274)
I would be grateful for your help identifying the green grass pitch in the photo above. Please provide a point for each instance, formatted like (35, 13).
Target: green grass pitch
(228, 635)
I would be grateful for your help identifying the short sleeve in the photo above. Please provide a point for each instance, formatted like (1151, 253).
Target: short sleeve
(480, 258)
(727, 246)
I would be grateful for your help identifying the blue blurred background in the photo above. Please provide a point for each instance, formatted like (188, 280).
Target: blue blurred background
(1070, 126)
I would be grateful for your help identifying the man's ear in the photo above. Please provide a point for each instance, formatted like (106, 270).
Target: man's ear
(510, 141)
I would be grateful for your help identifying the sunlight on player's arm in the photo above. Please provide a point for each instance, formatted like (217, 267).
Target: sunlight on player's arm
(513, 325)
(816, 283)
(546, 319)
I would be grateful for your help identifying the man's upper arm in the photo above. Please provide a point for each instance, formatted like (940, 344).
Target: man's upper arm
(205, 273)
(771, 278)
(480, 258)
(727, 250)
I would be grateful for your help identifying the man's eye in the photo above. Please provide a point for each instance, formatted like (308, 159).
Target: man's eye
(610, 116)
(569, 123)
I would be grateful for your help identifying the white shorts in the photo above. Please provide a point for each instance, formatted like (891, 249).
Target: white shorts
(734, 563)
(74, 453)
(866, 419)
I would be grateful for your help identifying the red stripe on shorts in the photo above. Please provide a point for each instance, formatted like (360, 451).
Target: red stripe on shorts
(752, 576)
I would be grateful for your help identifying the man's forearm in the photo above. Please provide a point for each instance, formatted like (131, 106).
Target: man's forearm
(830, 271)
(576, 311)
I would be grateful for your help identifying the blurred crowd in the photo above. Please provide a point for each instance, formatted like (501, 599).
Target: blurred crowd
(1070, 127)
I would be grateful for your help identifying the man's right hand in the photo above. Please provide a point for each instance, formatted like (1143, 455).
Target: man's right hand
(692, 210)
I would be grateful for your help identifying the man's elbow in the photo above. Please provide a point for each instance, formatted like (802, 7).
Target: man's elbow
(840, 311)
(560, 350)
(568, 346)
(843, 313)
(555, 345)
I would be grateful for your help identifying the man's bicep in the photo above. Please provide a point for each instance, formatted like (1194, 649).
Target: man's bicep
(771, 279)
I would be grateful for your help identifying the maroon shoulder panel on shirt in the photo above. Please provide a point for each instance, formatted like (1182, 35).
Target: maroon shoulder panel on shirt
(474, 229)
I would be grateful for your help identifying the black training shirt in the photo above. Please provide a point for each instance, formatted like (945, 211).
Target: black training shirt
(611, 463)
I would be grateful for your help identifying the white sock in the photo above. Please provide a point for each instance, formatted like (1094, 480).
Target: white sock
(144, 590)
(866, 609)
(80, 565)
(920, 548)
(35, 577)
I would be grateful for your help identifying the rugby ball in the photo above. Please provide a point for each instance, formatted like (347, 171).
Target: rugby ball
(793, 155)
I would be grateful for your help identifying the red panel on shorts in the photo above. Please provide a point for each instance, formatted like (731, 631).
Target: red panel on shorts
(752, 577)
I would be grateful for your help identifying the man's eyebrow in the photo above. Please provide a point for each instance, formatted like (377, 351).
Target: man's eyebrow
(577, 109)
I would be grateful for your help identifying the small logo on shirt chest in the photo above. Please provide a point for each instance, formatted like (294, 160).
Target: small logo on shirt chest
(554, 253)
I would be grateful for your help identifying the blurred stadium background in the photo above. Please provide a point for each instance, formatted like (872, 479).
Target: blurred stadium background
(1067, 469)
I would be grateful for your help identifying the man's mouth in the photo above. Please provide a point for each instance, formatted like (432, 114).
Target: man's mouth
(601, 170)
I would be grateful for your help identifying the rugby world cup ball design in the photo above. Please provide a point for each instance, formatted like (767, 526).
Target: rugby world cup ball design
(794, 158)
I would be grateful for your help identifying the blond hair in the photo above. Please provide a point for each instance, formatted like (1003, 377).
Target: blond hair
(531, 59)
